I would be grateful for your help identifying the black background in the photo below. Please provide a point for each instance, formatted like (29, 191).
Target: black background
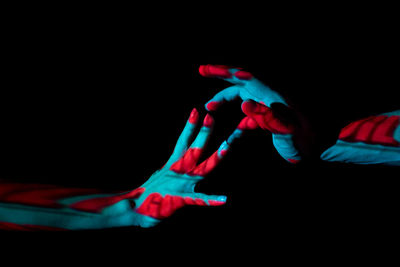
(98, 107)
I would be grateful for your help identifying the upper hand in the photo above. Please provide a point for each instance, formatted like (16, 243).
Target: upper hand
(245, 86)
(260, 103)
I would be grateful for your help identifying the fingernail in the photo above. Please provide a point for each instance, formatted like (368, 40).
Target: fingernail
(194, 115)
(208, 121)
(213, 105)
(222, 198)
(218, 202)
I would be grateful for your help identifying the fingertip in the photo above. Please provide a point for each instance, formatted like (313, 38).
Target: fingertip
(293, 161)
(194, 116)
(219, 201)
(223, 152)
(250, 107)
(218, 71)
(222, 198)
(213, 105)
(208, 121)
(223, 149)
(202, 70)
(247, 123)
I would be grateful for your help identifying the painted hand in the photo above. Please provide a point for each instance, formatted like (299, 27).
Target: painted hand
(372, 140)
(245, 86)
(172, 187)
(259, 102)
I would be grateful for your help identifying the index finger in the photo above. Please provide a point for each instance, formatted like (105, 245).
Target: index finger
(212, 162)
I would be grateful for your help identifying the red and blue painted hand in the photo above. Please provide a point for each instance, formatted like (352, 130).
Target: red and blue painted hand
(172, 187)
(373, 140)
(258, 101)
(50, 207)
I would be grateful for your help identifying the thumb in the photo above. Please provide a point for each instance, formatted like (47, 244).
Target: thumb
(265, 117)
(252, 108)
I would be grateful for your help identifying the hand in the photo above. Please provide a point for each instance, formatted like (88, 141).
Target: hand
(172, 187)
(265, 106)
(246, 87)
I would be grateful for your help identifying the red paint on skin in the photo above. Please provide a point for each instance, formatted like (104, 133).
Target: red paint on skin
(194, 116)
(216, 203)
(159, 207)
(384, 133)
(372, 130)
(189, 201)
(223, 152)
(206, 166)
(294, 161)
(208, 121)
(247, 123)
(200, 202)
(213, 105)
(265, 118)
(188, 161)
(243, 75)
(39, 195)
(150, 206)
(169, 205)
(27, 227)
(214, 71)
(96, 205)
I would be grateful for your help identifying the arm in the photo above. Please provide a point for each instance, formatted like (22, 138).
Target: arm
(372, 140)
(49, 207)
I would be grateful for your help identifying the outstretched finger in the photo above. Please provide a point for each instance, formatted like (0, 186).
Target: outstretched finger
(158, 206)
(200, 199)
(265, 118)
(226, 95)
(184, 139)
(204, 133)
(209, 164)
(245, 124)
(189, 160)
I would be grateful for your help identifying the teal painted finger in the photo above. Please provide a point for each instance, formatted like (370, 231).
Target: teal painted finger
(210, 200)
(184, 139)
(204, 134)
(226, 95)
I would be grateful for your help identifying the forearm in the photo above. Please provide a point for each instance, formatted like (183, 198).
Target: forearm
(53, 207)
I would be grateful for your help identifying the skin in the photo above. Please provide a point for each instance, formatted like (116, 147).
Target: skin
(373, 140)
(40, 207)
(47, 207)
